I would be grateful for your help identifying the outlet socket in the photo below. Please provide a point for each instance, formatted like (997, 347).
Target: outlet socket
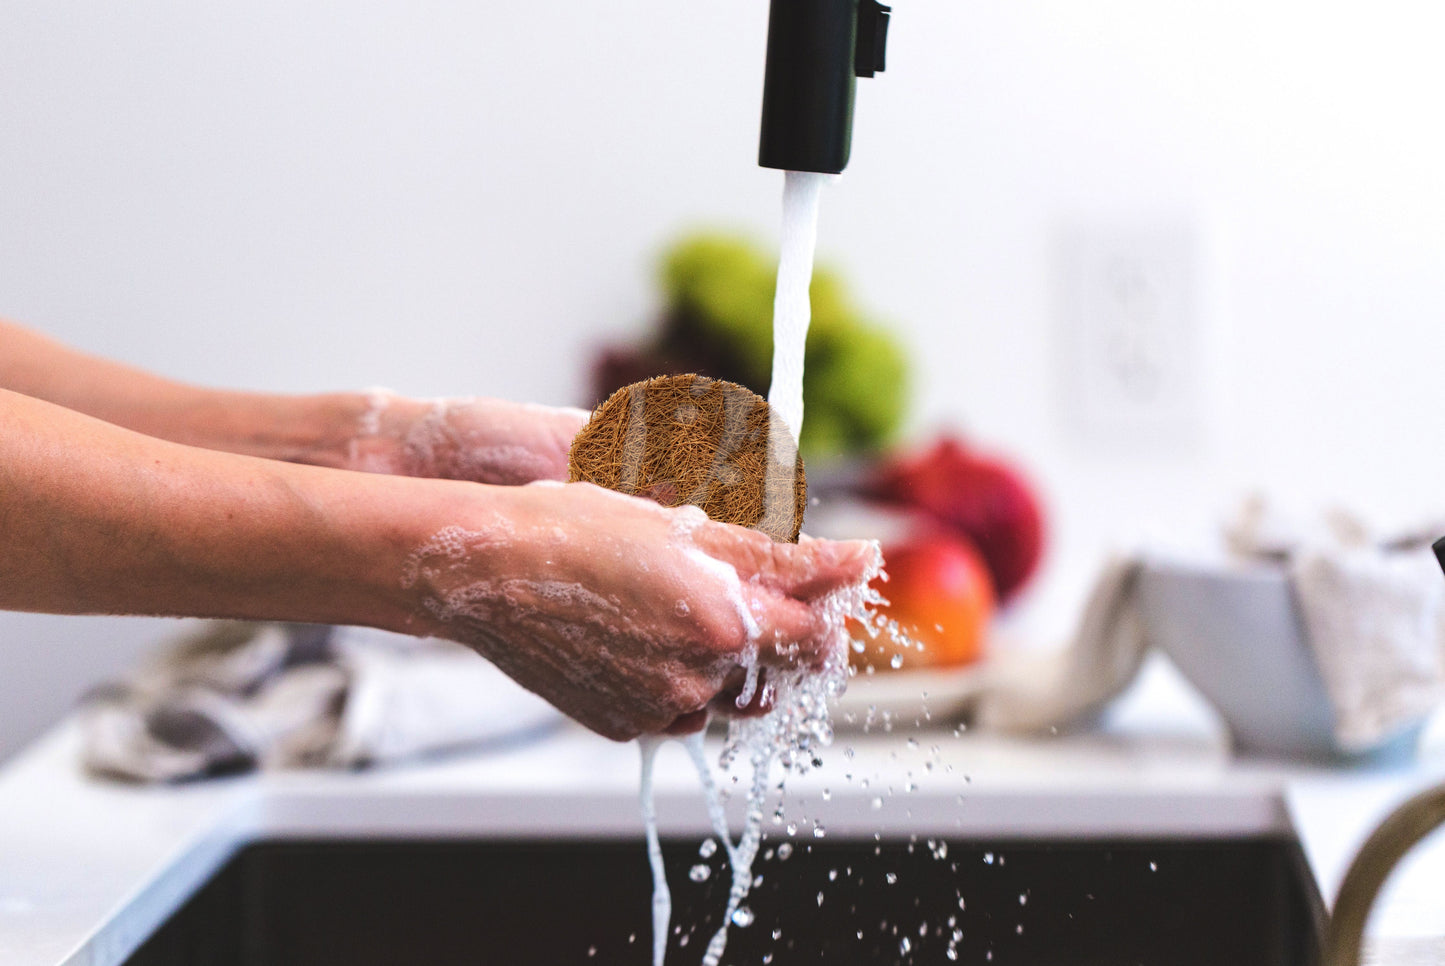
(1131, 347)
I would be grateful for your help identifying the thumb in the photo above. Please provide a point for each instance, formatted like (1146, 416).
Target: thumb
(802, 571)
(816, 568)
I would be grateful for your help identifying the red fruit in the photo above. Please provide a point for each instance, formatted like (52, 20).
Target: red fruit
(983, 497)
(941, 595)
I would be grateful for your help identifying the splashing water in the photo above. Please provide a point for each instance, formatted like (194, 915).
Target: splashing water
(791, 735)
(798, 725)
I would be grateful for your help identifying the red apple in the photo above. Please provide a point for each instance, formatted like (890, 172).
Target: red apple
(941, 596)
(983, 497)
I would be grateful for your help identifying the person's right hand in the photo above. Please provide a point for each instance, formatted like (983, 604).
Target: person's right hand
(630, 617)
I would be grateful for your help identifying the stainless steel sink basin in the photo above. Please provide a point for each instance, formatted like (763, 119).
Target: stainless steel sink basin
(1233, 902)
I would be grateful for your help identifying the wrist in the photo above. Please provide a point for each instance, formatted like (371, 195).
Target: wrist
(336, 547)
(319, 430)
(459, 543)
(408, 545)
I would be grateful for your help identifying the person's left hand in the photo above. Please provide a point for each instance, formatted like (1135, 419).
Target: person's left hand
(476, 439)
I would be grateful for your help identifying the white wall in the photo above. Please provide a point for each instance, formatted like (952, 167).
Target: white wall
(466, 198)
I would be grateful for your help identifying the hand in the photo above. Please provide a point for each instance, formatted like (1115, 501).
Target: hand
(475, 439)
(628, 616)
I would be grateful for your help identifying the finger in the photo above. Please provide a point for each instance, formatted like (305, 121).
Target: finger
(759, 704)
(822, 566)
(690, 723)
(791, 632)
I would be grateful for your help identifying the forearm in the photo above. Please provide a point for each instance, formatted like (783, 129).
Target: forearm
(314, 429)
(97, 519)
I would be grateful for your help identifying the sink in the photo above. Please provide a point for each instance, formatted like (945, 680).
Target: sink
(1235, 901)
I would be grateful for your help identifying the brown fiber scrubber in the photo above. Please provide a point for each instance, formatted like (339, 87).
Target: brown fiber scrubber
(691, 439)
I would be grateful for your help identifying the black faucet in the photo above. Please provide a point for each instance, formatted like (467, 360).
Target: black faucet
(816, 50)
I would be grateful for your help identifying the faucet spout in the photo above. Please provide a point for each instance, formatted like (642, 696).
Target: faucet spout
(816, 51)
(1377, 858)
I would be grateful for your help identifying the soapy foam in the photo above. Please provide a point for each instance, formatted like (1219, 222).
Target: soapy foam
(584, 640)
(750, 684)
(734, 585)
(378, 398)
(466, 437)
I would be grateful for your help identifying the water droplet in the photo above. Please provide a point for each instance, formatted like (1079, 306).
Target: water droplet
(777, 934)
(896, 662)
(912, 744)
(1023, 898)
(707, 848)
(891, 877)
(784, 851)
(988, 858)
(819, 832)
(827, 795)
(820, 897)
(877, 802)
(742, 917)
(904, 945)
(951, 953)
(681, 608)
(1153, 866)
(591, 951)
(699, 873)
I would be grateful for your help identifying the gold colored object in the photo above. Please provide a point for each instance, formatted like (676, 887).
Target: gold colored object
(691, 439)
(1377, 858)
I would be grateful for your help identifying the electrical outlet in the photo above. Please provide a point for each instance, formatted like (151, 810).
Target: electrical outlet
(1132, 347)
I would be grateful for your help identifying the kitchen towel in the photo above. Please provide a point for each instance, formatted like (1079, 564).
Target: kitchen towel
(241, 695)
(1372, 610)
(1029, 692)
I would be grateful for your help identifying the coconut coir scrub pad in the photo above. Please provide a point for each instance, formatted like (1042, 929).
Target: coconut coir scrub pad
(691, 439)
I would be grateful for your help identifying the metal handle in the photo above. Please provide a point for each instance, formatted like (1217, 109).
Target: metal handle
(1377, 858)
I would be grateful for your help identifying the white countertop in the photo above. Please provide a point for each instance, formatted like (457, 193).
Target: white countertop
(89, 868)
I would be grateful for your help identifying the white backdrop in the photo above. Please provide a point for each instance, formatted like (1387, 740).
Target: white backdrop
(468, 198)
